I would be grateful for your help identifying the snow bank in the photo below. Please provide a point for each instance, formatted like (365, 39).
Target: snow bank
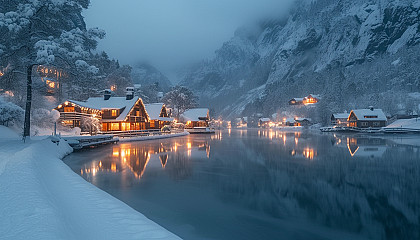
(413, 123)
(41, 198)
(7, 133)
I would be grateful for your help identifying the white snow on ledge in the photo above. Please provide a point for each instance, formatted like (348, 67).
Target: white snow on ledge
(42, 198)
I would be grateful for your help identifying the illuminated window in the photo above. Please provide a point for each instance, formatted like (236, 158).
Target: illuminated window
(68, 109)
(114, 113)
(125, 126)
(115, 126)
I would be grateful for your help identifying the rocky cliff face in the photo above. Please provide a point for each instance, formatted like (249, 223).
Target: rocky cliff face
(354, 52)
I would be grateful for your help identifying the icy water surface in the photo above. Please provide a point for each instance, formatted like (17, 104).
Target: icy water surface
(266, 184)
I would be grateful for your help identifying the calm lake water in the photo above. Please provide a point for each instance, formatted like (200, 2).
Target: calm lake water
(266, 184)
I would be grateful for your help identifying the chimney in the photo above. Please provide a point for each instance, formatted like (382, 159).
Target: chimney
(371, 108)
(107, 94)
(129, 93)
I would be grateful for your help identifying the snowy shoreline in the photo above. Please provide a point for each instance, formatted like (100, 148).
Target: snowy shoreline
(154, 137)
(42, 198)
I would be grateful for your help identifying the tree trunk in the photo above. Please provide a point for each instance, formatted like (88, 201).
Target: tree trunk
(27, 124)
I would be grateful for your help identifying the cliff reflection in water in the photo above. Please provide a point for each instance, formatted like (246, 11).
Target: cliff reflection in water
(362, 185)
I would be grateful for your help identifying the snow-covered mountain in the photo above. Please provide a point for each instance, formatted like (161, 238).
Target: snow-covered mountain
(354, 52)
(145, 74)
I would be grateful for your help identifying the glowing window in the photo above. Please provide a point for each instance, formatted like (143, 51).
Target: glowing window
(115, 126)
(114, 113)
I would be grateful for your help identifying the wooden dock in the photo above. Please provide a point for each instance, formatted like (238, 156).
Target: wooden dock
(79, 142)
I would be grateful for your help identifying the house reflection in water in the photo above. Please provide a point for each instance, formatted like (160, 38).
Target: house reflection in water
(366, 147)
(296, 144)
(136, 157)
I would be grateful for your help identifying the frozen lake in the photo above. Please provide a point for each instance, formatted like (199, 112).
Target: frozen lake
(266, 184)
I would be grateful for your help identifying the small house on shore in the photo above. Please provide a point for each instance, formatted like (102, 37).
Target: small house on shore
(339, 119)
(114, 113)
(310, 99)
(302, 122)
(196, 117)
(158, 115)
(365, 118)
(296, 101)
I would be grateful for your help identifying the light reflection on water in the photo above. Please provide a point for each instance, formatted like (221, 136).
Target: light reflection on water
(266, 184)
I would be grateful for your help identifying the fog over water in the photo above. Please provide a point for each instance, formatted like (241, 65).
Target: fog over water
(172, 33)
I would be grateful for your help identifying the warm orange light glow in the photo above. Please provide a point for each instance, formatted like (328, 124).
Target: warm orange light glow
(115, 153)
(188, 145)
(309, 153)
(113, 167)
(51, 84)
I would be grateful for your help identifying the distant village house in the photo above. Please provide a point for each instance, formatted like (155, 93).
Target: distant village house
(310, 99)
(339, 119)
(365, 118)
(196, 117)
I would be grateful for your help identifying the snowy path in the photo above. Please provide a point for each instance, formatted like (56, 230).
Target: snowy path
(41, 198)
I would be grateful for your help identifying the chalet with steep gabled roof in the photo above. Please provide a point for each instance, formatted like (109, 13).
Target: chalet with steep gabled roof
(114, 113)
(158, 115)
(365, 118)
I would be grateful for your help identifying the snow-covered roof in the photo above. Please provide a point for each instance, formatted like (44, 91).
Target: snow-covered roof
(100, 103)
(195, 114)
(154, 110)
(302, 119)
(297, 99)
(317, 96)
(264, 119)
(369, 114)
(340, 115)
(290, 120)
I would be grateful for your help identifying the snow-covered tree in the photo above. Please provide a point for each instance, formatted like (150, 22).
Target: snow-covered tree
(90, 124)
(45, 32)
(10, 113)
(180, 98)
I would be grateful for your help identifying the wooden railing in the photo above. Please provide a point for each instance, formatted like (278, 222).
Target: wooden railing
(68, 116)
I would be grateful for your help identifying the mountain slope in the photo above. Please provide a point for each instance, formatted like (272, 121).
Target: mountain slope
(145, 74)
(354, 52)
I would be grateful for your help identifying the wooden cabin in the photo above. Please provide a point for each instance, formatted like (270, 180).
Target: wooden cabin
(311, 99)
(339, 119)
(367, 118)
(196, 117)
(302, 122)
(296, 101)
(158, 115)
(114, 113)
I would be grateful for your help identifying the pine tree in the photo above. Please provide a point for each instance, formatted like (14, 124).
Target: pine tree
(45, 32)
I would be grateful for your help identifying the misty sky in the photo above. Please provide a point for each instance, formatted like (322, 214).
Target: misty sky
(171, 33)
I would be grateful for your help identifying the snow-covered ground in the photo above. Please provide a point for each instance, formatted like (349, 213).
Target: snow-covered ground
(413, 123)
(41, 198)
